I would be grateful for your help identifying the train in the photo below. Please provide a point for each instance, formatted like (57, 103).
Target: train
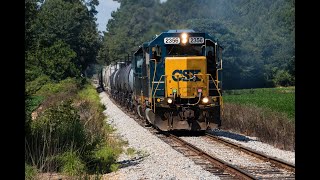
(173, 82)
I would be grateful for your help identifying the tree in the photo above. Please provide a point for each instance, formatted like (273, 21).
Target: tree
(71, 22)
(56, 61)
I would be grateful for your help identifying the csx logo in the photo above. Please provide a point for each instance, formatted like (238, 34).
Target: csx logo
(185, 75)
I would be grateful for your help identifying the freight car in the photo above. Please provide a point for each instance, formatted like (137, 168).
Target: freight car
(173, 81)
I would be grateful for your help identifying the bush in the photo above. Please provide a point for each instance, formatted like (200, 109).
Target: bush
(69, 85)
(58, 129)
(33, 86)
(71, 164)
(30, 172)
(69, 121)
(105, 159)
(283, 78)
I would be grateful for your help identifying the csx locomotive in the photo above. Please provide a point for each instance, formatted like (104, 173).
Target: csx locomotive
(173, 81)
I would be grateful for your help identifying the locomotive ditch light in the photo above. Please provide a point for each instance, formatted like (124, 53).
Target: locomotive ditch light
(205, 100)
(169, 100)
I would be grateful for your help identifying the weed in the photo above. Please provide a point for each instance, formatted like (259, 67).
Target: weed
(30, 172)
(71, 164)
(130, 152)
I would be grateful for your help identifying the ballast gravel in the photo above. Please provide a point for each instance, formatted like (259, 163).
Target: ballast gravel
(253, 143)
(155, 160)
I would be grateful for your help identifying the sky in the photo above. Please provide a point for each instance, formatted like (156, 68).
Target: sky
(104, 9)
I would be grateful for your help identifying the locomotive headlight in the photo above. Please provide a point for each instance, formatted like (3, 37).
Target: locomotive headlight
(205, 100)
(184, 37)
(169, 100)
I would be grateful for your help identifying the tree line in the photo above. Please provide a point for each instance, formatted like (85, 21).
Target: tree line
(257, 36)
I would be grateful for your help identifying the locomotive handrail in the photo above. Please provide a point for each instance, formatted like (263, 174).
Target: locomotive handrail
(154, 75)
(220, 96)
(153, 95)
(220, 99)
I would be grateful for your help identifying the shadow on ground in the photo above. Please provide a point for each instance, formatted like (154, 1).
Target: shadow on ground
(130, 162)
(231, 135)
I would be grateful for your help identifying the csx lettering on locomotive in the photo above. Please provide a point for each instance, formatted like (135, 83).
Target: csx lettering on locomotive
(185, 75)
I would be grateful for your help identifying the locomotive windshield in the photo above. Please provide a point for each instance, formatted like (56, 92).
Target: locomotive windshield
(183, 50)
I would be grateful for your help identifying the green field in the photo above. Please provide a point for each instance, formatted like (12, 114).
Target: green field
(280, 99)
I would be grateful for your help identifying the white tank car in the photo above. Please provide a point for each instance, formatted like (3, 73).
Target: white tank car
(114, 82)
(130, 79)
(107, 81)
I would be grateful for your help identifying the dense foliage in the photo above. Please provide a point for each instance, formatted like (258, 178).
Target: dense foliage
(257, 36)
(61, 38)
(64, 124)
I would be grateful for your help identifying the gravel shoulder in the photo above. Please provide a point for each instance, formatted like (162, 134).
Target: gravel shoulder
(156, 160)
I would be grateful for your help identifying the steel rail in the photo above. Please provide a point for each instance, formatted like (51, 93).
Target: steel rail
(273, 160)
(241, 174)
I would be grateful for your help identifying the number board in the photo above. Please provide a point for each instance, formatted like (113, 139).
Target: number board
(196, 40)
(172, 40)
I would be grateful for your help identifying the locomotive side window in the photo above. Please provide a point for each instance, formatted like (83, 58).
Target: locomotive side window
(138, 62)
(211, 58)
(156, 53)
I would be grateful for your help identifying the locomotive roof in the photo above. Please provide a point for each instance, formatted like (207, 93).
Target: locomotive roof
(158, 39)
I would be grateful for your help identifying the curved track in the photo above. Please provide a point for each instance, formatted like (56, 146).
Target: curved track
(213, 164)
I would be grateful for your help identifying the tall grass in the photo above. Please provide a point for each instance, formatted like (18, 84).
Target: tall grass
(266, 113)
(69, 131)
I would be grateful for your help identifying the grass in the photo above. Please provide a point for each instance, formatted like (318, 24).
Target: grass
(267, 113)
(69, 135)
(280, 99)
(30, 172)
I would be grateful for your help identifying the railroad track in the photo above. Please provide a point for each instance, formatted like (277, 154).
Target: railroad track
(217, 166)
(277, 162)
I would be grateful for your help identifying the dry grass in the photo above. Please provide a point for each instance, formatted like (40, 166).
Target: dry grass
(270, 127)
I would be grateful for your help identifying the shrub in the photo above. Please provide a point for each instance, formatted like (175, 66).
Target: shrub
(33, 86)
(30, 172)
(283, 78)
(71, 164)
(69, 121)
(105, 159)
(68, 85)
(57, 130)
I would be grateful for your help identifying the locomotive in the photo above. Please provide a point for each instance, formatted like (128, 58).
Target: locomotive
(173, 81)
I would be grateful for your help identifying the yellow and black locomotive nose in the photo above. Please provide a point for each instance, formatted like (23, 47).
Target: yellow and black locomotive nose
(185, 75)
